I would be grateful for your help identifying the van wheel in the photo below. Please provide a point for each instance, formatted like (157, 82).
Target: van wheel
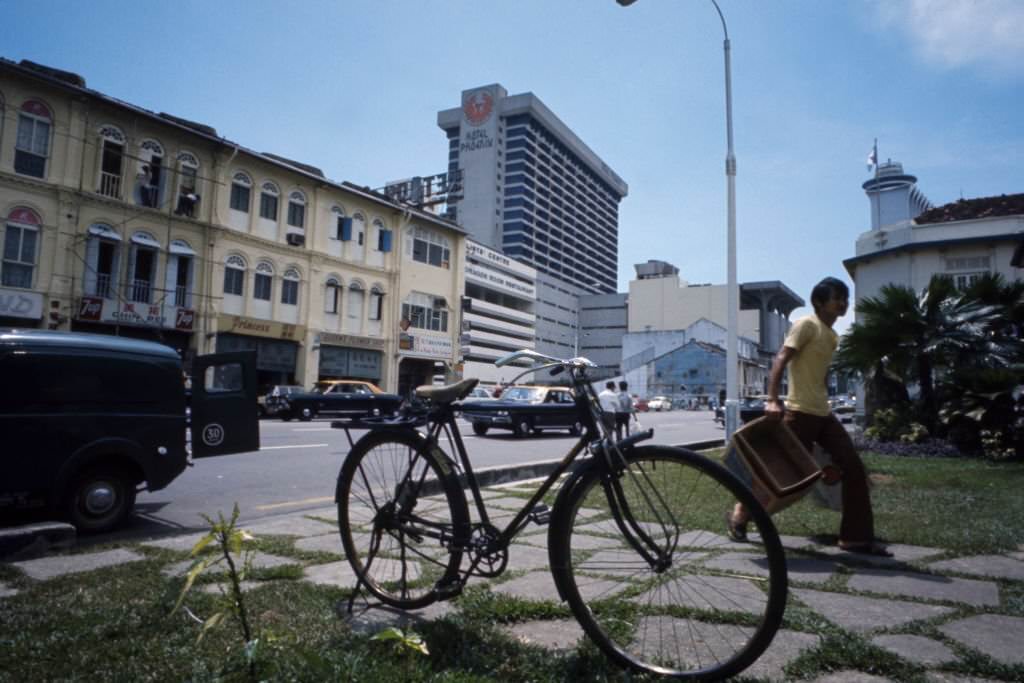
(100, 499)
(479, 429)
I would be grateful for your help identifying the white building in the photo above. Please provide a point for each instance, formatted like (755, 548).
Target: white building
(498, 312)
(909, 241)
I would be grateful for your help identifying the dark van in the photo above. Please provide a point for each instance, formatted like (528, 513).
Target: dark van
(87, 420)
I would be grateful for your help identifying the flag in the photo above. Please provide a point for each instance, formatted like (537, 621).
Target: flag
(873, 157)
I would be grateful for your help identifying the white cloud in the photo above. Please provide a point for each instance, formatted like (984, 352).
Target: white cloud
(957, 33)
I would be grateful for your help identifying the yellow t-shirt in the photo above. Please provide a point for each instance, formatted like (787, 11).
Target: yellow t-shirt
(815, 343)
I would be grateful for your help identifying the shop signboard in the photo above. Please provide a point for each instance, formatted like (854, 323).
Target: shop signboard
(19, 304)
(421, 345)
(167, 316)
(255, 327)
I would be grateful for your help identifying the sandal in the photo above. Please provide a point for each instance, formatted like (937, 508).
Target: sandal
(866, 549)
(737, 531)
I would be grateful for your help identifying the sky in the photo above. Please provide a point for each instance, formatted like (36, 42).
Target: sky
(354, 86)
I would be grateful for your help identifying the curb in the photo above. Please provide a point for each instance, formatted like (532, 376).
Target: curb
(32, 540)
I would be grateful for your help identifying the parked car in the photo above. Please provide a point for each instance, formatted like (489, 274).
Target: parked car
(339, 398)
(270, 402)
(659, 403)
(525, 409)
(480, 394)
(640, 404)
(89, 419)
(751, 408)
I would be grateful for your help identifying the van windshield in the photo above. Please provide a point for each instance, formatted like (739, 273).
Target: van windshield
(522, 394)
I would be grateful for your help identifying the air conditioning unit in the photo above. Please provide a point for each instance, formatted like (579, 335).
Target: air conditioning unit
(295, 239)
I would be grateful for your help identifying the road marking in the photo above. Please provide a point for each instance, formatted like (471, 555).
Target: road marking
(313, 429)
(293, 503)
(300, 445)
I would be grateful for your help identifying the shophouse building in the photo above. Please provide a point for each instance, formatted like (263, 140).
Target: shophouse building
(536, 192)
(119, 220)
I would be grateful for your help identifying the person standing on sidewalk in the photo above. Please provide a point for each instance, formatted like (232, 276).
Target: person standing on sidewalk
(609, 401)
(807, 352)
(625, 412)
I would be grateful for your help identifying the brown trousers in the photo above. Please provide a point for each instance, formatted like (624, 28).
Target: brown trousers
(858, 524)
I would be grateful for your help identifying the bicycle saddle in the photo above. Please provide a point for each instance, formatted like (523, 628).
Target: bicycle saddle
(448, 392)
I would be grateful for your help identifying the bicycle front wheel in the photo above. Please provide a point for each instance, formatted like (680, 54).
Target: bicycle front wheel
(697, 606)
(401, 514)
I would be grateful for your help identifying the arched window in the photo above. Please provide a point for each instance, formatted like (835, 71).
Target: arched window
(32, 148)
(268, 201)
(111, 171)
(102, 260)
(297, 209)
(290, 287)
(179, 272)
(332, 295)
(355, 304)
(142, 266)
(21, 235)
(234, 275)
(150, 175)
(359, 228)
(383, 236)
(342, 225)
(376, 303)
(241, 192)
(188, 184)
(263, 281)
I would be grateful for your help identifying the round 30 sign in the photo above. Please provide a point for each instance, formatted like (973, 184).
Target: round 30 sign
(213, 434)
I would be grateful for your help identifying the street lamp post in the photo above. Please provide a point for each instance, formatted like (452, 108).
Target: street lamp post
(732, 286)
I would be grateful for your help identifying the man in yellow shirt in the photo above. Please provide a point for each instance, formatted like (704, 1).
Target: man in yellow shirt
(807, 351)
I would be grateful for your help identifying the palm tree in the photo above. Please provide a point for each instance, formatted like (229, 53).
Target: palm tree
(920, 337)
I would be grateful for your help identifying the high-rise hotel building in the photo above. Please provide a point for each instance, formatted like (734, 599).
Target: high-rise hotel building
(534, 191)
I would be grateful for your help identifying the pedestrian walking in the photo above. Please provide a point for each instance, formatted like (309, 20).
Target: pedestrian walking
(625, 412)
(609, 401)
(807, 352)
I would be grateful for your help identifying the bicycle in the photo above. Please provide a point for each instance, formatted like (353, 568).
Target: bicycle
(630, 537)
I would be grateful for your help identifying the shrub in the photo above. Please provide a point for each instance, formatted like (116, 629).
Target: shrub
(896, 424)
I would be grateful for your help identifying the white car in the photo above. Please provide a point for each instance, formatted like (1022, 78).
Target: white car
(659, 403)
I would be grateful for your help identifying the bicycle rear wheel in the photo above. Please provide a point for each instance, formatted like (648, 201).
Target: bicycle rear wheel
(400, 513)
(710, 608)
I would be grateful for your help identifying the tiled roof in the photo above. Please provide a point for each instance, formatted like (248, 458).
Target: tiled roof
(968, 209)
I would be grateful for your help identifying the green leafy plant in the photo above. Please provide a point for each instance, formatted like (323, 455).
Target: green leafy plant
(896, 424)
(402, 642)
(228, 540)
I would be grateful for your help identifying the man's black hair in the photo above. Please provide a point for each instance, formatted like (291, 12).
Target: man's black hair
(826, 289)
(623, 386)
(609, 385)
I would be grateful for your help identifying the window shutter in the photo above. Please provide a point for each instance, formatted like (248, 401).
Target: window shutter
(92, 261)
(171, 279)
(385, 240)
(130, 279)
(346, 229)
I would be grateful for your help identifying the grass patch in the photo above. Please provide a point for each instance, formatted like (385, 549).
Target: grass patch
(115, 623)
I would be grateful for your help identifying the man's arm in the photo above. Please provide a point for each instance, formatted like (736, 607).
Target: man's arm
(774, 408)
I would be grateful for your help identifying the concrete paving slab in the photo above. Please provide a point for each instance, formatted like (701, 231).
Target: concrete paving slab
(799, 569)
(331, 574)
(944, 677)
(325, 543)
(506, 502)
(706, 592)
(330, 512)
(917, 649)
(28, 541)
(999, 637)
(995, 566)
(290, 525)
(7, 591)
(259, 561)
(375, 618)
(926, 586)
(49, 567)
(700, 643)
(1017, 556)
(522, 556)
(786, 646)
(531, 586)
(860, 614)
(625, 562)
(555, 635)
(850, 676)
(223, 588)
(902, 554)
(583, 542)
(181, 542)
(705, 540)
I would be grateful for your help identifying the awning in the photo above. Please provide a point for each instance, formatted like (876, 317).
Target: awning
(104, 231)
(144, 240)
(179, 247)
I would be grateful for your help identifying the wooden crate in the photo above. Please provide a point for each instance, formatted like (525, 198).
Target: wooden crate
(782, 471)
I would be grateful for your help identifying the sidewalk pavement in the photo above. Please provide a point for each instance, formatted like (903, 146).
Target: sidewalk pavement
(882, 599)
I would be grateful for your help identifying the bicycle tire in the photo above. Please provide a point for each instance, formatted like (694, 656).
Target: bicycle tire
(712, 612)
(402, 539)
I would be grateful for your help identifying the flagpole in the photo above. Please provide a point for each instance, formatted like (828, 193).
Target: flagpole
(878, 191)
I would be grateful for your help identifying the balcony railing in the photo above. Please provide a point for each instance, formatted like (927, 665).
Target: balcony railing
(181, 297)
(139, 290)
(102, 285)
(110, 184)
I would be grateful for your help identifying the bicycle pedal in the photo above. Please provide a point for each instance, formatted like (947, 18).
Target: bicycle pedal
(540, 515)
